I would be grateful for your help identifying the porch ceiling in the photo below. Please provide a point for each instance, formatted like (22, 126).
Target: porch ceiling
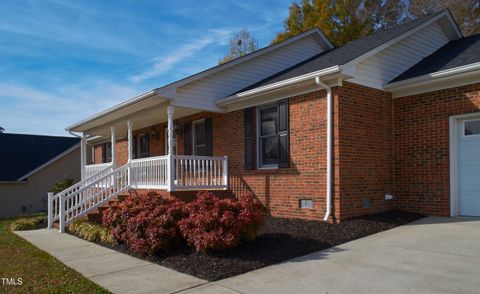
(141, 117)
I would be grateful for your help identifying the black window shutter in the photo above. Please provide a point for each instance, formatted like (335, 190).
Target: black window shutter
(248, 119)
(104, 153)
(283, 132)
(187, 139)
(134, 147)
(147, 143)
(209, 136)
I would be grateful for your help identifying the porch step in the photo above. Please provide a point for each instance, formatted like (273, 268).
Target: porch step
(95, 216)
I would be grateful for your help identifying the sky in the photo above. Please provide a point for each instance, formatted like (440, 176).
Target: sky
(62, 61)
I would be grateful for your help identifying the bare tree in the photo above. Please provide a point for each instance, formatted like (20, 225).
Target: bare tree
(241, 44)
(465, 12)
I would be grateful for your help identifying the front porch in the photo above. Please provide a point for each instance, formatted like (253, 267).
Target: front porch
(121, 169)
(170, 172)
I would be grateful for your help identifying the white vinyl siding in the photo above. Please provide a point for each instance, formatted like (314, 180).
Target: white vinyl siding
(389, 63)
(230, 80)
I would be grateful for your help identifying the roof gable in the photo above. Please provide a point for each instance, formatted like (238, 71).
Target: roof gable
(21, 154)
(456, 53)
(359, 50)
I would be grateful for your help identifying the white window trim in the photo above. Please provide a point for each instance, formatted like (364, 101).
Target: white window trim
(193, 135)
(259, 151)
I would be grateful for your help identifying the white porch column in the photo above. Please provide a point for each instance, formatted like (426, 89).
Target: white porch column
(130, 138)
(83, 157)
(112, 130)
(171, 167)
(130, 153)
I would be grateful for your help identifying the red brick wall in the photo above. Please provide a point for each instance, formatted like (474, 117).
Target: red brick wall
(361, 171)
(422, 166)
(279, 189)
(363, 149)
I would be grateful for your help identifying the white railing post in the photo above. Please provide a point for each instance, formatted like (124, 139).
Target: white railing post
(225, 171)
(170, 161)
(61, 213)
(83, 157)
(130, 153)
(50, 210)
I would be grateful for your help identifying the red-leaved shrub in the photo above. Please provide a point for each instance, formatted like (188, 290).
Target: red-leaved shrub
(214, 223)
(146, 223)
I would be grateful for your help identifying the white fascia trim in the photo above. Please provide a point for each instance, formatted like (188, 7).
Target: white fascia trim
(113, 109)
(64, 153)
(274, 86)
(401, 37)
(433, 76)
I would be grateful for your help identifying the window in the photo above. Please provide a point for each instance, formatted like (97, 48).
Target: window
(106, 152)
(199, 138)
(272, 130)
(269, 136)
(471, 127)
(143, 145)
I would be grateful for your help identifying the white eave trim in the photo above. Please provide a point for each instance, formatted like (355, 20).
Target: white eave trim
(389, 43)
(434, 77)
(64, 153)
(113, 109)
(278, 85)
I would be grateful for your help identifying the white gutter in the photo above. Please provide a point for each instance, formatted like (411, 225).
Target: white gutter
(321, 84)
(114, 108)
(274, 86)
(433, 76)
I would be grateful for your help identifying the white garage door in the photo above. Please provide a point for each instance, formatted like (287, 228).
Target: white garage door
(469, 167)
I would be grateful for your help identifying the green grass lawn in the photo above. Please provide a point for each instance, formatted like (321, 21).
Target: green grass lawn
(39, 271)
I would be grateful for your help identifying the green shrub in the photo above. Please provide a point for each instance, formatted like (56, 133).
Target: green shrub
(92, 232)
(28, 223)
(61, 185)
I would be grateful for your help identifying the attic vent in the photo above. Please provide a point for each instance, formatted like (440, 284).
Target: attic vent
(366, 202)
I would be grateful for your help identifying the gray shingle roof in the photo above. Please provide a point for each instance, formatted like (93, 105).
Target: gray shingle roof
(454, 54)
(342, 55)
(20, 154)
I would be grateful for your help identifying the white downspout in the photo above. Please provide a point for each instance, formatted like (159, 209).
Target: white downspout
(321, 84)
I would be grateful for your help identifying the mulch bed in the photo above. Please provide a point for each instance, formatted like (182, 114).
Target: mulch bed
(280, 240)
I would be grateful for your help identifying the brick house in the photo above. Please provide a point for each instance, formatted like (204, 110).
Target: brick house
(391, 120)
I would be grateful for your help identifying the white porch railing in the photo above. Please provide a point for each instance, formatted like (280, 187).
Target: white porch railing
(200, 172)
(149, 173)
(188, 173)
(92, 169)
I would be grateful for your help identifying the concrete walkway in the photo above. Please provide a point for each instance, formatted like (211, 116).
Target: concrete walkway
(117, 272)
(433, 255)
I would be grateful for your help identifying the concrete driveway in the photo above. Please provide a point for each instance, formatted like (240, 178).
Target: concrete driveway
(433, 255)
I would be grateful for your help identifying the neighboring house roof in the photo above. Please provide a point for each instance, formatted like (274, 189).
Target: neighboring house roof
(21, 154)
(454, 54)
(344, 54)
